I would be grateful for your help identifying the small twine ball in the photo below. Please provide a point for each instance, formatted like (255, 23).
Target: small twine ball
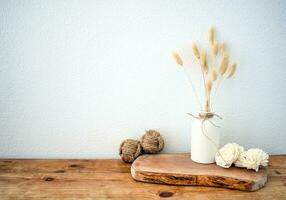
(152, 142)
(129, 150)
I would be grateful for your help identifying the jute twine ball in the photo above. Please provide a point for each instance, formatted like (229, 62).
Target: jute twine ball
(129, 150)
(152, 142)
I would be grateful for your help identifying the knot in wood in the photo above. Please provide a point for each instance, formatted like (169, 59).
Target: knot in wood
(165, 194)
(48, 178)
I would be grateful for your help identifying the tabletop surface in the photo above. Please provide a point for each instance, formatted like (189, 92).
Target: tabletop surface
(111, 179)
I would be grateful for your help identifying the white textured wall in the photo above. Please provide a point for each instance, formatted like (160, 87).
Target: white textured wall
(78, 77)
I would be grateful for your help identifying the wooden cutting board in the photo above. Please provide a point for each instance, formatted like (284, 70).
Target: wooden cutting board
(179, 169)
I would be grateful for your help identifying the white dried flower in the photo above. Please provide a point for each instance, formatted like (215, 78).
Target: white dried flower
(252, 159)
(228, 154)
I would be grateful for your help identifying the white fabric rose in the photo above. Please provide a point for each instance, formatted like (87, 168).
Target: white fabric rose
(228, 154)
(252, 159)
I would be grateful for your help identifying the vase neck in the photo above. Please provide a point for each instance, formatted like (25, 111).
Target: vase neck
(206, 114)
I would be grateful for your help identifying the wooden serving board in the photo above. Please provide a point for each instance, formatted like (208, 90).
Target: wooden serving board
(179, 169)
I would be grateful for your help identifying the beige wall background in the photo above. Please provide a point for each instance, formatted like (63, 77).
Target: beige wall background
(78, 77)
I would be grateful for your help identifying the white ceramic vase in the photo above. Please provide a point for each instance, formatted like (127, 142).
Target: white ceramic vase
(205, 144)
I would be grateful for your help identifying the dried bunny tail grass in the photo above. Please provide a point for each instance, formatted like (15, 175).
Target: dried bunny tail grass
(231, 70)
(208, 95)
(224, 65)
(213, 75)
(196, 50)
(177, 58)
(215, 48)
(222, 47)
(211, 35)
(209, 86)
(204, 62)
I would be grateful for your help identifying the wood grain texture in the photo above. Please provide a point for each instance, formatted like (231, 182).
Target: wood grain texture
(111, 179)
(179, 169)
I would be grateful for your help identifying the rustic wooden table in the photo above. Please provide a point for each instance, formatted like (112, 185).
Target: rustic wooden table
(111, 179)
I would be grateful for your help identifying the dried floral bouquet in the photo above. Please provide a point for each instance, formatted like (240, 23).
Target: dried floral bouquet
(211, 75)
